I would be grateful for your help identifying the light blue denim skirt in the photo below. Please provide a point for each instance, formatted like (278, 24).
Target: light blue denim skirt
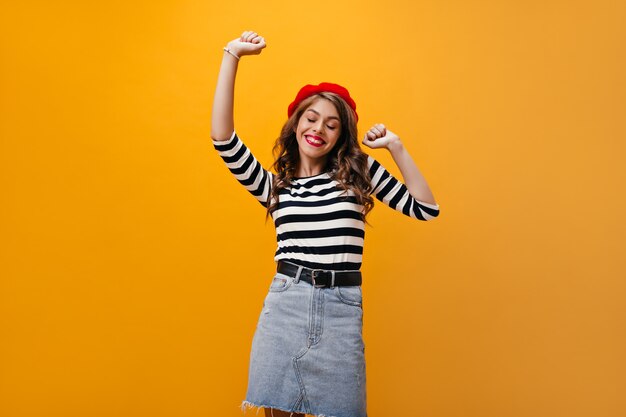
(308, 354)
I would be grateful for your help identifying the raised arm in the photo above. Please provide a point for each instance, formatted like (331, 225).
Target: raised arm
(238, 158)
(413, 197)
(222, 121)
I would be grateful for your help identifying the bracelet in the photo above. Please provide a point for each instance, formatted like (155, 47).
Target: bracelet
(227, 49)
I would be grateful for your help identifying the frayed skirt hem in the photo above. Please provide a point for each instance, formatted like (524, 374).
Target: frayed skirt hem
(247, 404)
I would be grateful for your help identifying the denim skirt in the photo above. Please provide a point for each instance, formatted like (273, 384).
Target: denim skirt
(307, 353)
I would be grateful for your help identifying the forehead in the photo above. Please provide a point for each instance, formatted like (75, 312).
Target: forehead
(324, 108)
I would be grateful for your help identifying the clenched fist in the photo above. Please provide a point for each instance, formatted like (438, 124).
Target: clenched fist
(380, 137)
(249, 43)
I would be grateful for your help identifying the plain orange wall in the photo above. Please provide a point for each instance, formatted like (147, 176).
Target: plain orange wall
(133, 265)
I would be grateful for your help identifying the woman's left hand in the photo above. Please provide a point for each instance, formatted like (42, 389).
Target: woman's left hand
(380, 137)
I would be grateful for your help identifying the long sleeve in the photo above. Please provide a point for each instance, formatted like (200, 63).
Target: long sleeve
(394, 193)
(245, 167)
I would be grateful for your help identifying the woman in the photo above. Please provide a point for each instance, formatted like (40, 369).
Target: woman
(307, 352)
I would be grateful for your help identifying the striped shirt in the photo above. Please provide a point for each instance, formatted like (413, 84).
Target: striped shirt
(319, 225)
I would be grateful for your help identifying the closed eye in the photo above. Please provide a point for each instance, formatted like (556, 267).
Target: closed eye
(329, 127)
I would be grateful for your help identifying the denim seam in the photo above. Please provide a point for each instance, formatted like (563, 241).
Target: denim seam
(320, 317)
(297, 403)
(311, 323)
(305, 400)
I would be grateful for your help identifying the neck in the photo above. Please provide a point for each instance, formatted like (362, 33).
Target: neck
(308, 168)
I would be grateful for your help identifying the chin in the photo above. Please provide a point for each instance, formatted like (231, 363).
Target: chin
(314, 154)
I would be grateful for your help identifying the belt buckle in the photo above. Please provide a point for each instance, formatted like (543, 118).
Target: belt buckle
(314, 274)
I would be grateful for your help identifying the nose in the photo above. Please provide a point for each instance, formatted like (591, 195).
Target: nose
(318, 126)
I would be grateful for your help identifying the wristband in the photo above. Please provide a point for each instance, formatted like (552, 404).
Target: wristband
(227, 49)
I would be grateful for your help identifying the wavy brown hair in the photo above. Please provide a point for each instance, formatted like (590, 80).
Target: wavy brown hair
(346, 162)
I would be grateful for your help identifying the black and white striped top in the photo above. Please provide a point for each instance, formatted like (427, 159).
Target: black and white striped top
(317, 224)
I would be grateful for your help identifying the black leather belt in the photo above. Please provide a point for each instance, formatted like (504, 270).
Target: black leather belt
(320, 277)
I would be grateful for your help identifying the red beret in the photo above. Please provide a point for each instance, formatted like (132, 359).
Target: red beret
(308, 90)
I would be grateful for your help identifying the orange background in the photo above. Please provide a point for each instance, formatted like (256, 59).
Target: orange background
(133, 265)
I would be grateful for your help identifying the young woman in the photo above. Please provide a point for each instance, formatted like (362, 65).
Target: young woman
(307, 352)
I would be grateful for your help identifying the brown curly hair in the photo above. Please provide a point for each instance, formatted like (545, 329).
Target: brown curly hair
(346, 162)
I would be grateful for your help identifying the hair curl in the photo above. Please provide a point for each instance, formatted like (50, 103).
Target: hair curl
(346, 162)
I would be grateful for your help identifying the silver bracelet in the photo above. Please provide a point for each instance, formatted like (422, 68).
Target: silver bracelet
(227, 49)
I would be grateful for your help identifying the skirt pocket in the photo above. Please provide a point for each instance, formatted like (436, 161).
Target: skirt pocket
(280, 283)
(350, 295)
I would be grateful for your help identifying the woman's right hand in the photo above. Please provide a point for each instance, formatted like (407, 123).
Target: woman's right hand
(222, 121)
(249, 43)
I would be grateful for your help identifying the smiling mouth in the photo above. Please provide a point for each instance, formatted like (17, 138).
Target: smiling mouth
(314, 141)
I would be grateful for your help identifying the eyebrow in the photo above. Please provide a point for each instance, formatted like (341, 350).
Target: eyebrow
(329, 117)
